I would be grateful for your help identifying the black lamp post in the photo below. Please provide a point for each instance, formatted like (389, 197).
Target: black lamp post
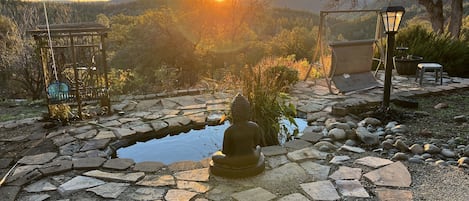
(392, 17)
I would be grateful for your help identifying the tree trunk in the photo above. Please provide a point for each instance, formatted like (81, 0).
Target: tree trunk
(456, 18)
(435, 10)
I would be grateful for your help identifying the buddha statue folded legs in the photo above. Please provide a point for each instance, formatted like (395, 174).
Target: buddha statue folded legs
(241, 154)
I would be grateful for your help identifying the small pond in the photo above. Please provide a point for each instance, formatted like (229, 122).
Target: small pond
(194, 145)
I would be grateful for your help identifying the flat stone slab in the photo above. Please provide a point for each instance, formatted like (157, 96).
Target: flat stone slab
(255, 194)
(193, 175)
(141, 129)
(311, 107)
(40, 186)
(157, 181)
(63, 139)
(20, 171)
(373, 162)
(319, 172)
(351, 188)
(321, 190)
(118, 163)
(197, 118)
(38, 159)
(274, 150)
(296, 144)
(306, 153)
(153, 116)
(179, 195)
(24, 178)
(39, 197)
(78, 183)
(125, 177)
(178, 121)
(113, 123)
(193, 186)
(310, 136)
(95, 144)
(345, 172)
(339, 159)
(144, 194)
(109, 190)
(158, 125)
(124, 132)
(88, 163)
(184, 165)
(148, 166)
(394, 195)
(293, 197)
(9, 192)
(105, 135)
(395, 175)
(352, 149)
(288, 175)
(70, 148)
(192, 107)
(87, 135)
(127, 120)
(276, 161)
(56, 167)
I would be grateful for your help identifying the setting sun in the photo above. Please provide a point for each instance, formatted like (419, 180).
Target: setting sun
(219, 1)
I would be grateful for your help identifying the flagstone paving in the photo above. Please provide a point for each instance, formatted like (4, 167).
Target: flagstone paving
(314, 167)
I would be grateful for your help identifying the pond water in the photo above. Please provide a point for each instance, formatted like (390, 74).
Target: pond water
(194, 145)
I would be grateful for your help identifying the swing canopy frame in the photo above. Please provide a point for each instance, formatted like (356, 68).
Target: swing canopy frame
(79, 72)
(322, 44)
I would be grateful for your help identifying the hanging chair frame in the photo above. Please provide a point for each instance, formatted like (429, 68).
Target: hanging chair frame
(319, 53)
(87, 37)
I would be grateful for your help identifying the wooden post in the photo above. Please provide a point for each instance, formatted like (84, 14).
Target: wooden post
(103, 54)
(75, 72)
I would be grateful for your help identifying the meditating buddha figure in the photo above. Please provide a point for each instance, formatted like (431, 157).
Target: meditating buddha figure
(241, 154)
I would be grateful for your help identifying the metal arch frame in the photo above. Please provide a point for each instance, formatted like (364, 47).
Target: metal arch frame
(321, 32)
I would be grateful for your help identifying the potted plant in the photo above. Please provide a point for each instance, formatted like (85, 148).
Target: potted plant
(406, 64)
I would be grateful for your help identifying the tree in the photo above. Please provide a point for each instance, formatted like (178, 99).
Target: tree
(10, 49)
(456, 18)
(435, 11)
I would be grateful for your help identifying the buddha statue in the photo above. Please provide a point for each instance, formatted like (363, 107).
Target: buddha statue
(241, 154)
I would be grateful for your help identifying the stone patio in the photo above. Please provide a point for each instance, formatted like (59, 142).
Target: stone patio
(81, 169)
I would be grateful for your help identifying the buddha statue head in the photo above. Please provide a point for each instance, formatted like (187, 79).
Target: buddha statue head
(240, 109)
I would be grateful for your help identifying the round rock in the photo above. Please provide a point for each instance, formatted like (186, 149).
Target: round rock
(387, 144)
(441, 162)
(401, 145)
(400, 129)
(337, 134)
(372, 121)
(416, 149)
(399, 156)
(448, 153)
(463, 161)
(415, 160)
(431, 149)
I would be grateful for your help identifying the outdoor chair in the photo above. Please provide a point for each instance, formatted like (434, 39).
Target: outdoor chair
(351, 65)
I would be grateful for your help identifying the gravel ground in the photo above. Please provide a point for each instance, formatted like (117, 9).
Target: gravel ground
(439, 183)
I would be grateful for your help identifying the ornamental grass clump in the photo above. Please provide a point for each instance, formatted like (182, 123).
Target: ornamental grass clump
(265, 85)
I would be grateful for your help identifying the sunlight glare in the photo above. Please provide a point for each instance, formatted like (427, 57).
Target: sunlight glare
(219, 1)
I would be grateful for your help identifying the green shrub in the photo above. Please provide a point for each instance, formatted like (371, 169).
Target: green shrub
(268, 102)
(282, 76)
(449, 52)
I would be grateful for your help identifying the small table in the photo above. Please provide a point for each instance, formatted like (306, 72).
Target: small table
(422, 67)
